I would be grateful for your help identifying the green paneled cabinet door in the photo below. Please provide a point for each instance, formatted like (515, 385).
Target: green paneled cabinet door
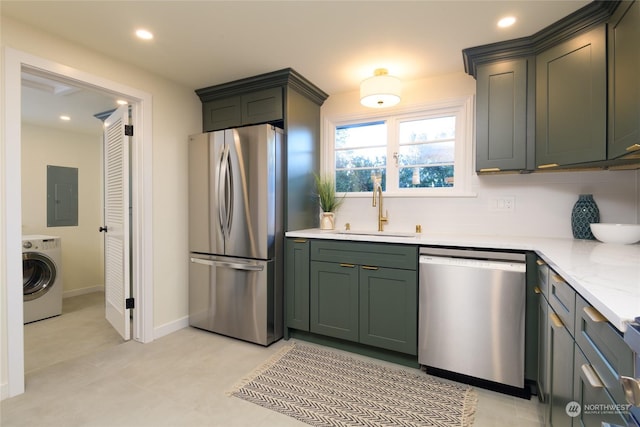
(624, 80)
(502, 116)
(561, 371)
(388, 308)
(297, 283)
(571, 101)
(334, 300)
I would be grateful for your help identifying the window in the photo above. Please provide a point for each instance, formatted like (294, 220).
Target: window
(423, 152)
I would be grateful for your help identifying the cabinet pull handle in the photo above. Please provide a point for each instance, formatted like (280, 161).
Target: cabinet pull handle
(558, 278)
(556, 320)
(347, 265)
(631, 387)
(537, 290)
(591, 375)
(594, 314)
(540, 262)
(633, 147)
(489, 170)
(368, 267)
(548, 165)
(300, 240)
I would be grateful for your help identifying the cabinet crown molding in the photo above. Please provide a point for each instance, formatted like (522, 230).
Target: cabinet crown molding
(595, 13)
(285, 77)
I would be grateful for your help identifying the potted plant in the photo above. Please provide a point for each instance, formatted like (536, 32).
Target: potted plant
(329, 202)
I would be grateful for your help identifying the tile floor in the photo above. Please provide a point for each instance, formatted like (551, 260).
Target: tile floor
(80, 373)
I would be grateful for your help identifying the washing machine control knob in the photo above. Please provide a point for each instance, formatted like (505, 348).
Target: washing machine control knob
(27, 245)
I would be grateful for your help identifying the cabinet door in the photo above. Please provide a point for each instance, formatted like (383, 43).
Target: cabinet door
(624, 80)
(334, 300)
(561, 371)
(571, 95)
(389, 308)
(501, 116)
(297, 283)
(595, 403)
(221, 114)
(543, 349)
(262, 106)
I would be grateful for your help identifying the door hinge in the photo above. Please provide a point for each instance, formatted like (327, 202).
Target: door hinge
(128, 130)
(129, 303)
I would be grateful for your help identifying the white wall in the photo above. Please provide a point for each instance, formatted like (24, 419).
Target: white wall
(543, 201)
(82, 245)
(176, 113)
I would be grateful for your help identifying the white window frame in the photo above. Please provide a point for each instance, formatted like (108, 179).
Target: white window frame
(462, 108)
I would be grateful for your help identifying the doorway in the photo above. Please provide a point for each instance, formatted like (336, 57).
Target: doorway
(62, 129)
(10, 237)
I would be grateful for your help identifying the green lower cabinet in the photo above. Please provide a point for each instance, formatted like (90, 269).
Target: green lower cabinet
(595, 403)
(561, 372)
(334, 300)
(297, 284)
(388, 314)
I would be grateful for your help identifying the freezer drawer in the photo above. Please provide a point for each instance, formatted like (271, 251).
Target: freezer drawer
(472, 317)
(235, 297)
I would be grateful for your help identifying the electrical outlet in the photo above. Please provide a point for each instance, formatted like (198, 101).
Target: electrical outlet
(502, 204)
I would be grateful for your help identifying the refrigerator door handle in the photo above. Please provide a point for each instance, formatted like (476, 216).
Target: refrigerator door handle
(225, 192)
(228, 264)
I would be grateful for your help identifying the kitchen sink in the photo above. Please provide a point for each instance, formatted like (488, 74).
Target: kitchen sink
(377, 233)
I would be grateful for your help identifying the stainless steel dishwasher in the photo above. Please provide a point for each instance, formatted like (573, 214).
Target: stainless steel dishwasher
(472, 314)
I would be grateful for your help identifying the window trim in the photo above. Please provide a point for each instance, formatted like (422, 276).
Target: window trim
(463, 171)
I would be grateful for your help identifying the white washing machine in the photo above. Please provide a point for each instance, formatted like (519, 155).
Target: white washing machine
(41, 277)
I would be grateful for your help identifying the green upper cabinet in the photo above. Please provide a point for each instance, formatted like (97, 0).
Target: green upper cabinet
(624, 81)
(504, 118)
(263, 106)
(567, 96)
(571, 101)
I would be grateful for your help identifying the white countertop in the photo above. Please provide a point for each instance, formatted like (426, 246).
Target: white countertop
(606, 275)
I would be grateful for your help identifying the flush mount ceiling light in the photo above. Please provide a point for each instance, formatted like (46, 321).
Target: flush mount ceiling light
(381, 90)
(144, 34)
(506, 22)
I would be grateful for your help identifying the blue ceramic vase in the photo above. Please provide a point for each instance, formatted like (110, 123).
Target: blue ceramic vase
(584, 212)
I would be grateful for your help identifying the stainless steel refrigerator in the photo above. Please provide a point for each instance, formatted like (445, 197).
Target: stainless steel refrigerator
(236, 233)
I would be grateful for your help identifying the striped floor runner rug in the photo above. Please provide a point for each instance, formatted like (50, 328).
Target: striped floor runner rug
(321, 387)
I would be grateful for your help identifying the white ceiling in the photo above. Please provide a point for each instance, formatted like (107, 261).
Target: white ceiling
(335, 44)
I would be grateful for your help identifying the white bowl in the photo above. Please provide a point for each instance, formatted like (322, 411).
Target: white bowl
(616, 233)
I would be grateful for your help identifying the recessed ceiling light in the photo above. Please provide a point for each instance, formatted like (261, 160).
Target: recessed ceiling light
(121, 102)
(65, 118)
(144, 34)
(506, 21)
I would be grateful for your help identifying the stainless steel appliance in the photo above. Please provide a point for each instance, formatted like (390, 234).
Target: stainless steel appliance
(472, 314)
(236, 233)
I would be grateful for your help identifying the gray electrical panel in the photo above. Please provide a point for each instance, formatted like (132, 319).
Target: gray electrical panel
(62, 196)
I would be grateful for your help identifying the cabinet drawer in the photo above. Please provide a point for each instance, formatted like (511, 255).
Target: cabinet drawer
(604, 347)
(563, 300)
(543, 278)
(597, 404)
(374, 254)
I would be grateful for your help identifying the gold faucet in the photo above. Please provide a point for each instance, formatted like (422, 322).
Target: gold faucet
(377, 190)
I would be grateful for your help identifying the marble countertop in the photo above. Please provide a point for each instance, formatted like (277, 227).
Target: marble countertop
(606, 275)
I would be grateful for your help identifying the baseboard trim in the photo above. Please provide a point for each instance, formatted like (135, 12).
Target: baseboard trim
(83, 291)
(171, 327)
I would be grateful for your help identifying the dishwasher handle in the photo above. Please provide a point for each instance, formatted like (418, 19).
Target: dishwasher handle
(483, 264)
